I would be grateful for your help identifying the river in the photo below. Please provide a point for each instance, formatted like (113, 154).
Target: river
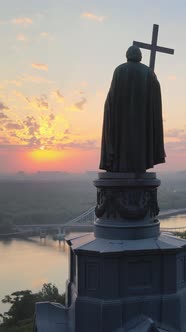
(174, 221)
(27, 264)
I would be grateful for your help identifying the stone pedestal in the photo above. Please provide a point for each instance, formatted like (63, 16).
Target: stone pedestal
(127, 206)
(125, 276)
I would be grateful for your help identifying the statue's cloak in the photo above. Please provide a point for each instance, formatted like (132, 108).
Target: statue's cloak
(132, 137)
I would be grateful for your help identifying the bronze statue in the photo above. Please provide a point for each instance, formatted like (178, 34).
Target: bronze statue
(132, 137)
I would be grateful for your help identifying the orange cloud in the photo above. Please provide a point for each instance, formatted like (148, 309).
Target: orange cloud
(93, 17)
(78, 106)
(21, 37)
(46, 130)
(13, 126)
(172, 77)
(40, 66)
(3, 116)
(38, 103)
(58, 95)
(44, 34)
(3, 106)
(19, 94)
(22, 20)
(34, 103)
(35, 79)
(14, 82)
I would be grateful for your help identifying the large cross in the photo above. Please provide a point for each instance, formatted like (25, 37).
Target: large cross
(153, 47)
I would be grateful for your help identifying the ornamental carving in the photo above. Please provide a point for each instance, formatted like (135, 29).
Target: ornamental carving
(129, 204)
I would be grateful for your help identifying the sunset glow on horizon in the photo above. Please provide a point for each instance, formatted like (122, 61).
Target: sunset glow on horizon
(57, 61)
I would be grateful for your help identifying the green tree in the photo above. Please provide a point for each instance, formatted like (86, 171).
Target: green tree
(50, 292)
(23, 304)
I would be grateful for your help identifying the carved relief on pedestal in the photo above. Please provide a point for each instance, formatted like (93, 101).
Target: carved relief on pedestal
(130, 204)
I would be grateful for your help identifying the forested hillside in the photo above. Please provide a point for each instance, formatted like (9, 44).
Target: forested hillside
(28, 202)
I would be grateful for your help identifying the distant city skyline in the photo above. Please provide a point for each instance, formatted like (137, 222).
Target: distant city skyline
(56, 65)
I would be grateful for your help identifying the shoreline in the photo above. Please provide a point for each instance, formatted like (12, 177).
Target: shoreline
(79, 228)
(171, 212)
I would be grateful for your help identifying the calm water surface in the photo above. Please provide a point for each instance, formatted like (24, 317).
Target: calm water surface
(174, 221)
(29, 264)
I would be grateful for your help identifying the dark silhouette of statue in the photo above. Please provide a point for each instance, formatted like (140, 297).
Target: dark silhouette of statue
(132, 138)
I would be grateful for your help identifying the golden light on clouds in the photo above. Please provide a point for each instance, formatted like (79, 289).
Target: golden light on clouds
(40, 66)
(71, 108)
(58, 95)
(22, 20)
(77, 106)
(44, 34)
(172, 77)
(21, 37)
(93, 17)
(54, 80)
(36, 103)
(33, 79)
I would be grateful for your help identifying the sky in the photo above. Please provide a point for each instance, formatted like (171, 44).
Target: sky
(56, 63)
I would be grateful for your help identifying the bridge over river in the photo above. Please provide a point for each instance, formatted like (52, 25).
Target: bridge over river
(84, 223)
(81, 223)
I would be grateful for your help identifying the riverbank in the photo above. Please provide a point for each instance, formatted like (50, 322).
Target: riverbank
(89, 227)
(171, 212)
(15, 235)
